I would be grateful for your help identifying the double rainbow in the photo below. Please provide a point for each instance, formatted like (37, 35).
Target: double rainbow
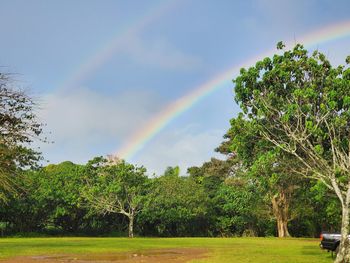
(144, 134)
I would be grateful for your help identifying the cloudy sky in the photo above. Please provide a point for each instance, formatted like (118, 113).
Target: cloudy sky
(102, 70)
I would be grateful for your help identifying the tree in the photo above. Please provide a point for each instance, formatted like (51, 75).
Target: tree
(210, 177)
(314, 209)
(301, 104)
(57, 193)
(172, 171)
(49, 200)
(18, 128)
(238, 206)
(266, 165)
(115, 187)
(175, 206)
(212, 174)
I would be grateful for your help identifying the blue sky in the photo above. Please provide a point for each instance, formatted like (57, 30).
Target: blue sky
(46, 42)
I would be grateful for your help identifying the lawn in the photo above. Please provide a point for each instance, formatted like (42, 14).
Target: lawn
(217, 249)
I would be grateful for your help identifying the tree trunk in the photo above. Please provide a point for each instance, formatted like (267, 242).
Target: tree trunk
(131, 225)
(280, 207)
(343, 255)
(282, 227)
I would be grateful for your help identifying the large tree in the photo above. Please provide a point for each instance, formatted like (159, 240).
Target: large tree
(57, 194)
(116, 187)
(18, 128)
(266, 165)
(301, 104)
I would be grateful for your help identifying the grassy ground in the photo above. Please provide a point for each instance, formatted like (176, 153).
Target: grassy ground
(219, 249)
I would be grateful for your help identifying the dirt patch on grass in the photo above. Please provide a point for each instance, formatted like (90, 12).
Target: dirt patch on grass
(147, 256)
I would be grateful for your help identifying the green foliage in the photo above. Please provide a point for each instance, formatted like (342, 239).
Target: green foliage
(176, 206)
(115, 187)
(212, 174)
(263, 163)
(239, 209)
(115, 184)
(59, 194)
(50, 202)
(172, 171)
(217, 199)
(299, 90)
(327, 208)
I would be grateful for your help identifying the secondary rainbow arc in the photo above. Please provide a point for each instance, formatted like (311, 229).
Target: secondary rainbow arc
(105, 52)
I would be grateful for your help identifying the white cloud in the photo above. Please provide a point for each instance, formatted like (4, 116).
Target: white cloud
(84, 122)
(183, 147)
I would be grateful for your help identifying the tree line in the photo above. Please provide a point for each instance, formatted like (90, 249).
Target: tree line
(112, 197)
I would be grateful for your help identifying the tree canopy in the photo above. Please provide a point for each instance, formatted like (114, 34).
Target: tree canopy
(115, 187)
(301, 104)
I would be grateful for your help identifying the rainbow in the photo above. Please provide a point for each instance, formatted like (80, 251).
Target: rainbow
(104, 53)
(144, 134)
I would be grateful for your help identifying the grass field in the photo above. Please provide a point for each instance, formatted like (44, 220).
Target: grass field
(217, 249)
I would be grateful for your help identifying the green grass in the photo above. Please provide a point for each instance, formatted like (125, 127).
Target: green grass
(219, 249)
